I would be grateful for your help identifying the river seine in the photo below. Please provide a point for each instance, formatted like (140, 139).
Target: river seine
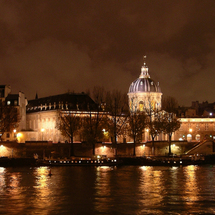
(108, 190)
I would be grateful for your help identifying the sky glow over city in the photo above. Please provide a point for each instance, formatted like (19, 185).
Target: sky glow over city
(52, 47)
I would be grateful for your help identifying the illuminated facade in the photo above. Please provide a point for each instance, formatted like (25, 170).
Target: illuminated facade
(196, 124)
(144, 93)
(196, 129)
(38, 116)
(19, 101)
(42, 115)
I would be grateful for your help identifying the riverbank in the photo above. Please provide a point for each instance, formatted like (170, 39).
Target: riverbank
(14, 162)
(169, 161)
(83, 161)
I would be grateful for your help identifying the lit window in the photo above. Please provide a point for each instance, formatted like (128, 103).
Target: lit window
(206, 126)
(141, 106)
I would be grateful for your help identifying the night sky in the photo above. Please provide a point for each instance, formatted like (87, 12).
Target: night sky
(53, 46)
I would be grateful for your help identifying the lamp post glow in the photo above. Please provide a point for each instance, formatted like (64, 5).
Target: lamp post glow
(42, 130)
(14, 131)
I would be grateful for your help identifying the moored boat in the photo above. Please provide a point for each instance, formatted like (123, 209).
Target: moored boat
(80, 162)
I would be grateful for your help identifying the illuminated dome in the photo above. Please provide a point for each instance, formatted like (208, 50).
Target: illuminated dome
(144, 83)
(144, 93)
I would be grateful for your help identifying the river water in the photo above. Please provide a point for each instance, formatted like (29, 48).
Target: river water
(108, 190)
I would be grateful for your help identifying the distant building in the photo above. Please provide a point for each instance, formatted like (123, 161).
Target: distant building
(144, 92)
(38, 116)
(42, 115)
(197, 121)
(19, 101)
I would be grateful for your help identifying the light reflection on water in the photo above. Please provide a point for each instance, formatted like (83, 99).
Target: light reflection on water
(108, 190)
(191, 187)
(151, 184)
(42, 190)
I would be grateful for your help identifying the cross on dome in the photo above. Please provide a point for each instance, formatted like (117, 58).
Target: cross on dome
(144, 60)
(144, 70)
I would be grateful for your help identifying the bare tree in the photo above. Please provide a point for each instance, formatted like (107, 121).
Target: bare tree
(155, 126)
(117, 107)
(98, 95)
(69, 123)
(93, 125)
(137, 124)
(9, 118)
(170, 104)
(95, 119)
(154, 120)
(171, 122)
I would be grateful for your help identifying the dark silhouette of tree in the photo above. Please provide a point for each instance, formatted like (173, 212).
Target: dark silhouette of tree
(9, 118)
(155, 126)
(170, 122)
(137, 124)
(69, 123)
(117, 107)
(95, 120)
(154, 120)
(93, 125)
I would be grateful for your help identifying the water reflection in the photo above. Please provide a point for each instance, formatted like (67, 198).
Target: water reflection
(9, 183)
(151, 186)
(102, 188)
(190, 187)
(41, 199)
(10, 189)
(102, 181)
(2, 178)
(172, 185)
(108, 190)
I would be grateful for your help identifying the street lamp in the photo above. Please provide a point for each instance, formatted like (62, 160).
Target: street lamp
(147, 134)
(42, 130)
(14, 131)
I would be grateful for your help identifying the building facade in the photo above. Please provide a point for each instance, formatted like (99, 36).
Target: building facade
(39, 116)
(18, 101)
(42, 116)
(144, 93)
(197, 121)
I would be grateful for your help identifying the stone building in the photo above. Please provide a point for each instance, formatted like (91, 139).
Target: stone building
(197, 121)
(42, 115)
(144, 92)
(19, 101)
(38, 116)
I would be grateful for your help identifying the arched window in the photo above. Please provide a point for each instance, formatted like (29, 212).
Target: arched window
(141, 105)
(198, 137)
(189, 137)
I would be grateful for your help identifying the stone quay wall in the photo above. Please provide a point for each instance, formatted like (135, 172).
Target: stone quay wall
(44, 149)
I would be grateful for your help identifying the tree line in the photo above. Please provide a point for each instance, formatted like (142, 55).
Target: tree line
(112, 117)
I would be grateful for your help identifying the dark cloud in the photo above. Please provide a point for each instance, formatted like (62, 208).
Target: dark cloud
(52, 46)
